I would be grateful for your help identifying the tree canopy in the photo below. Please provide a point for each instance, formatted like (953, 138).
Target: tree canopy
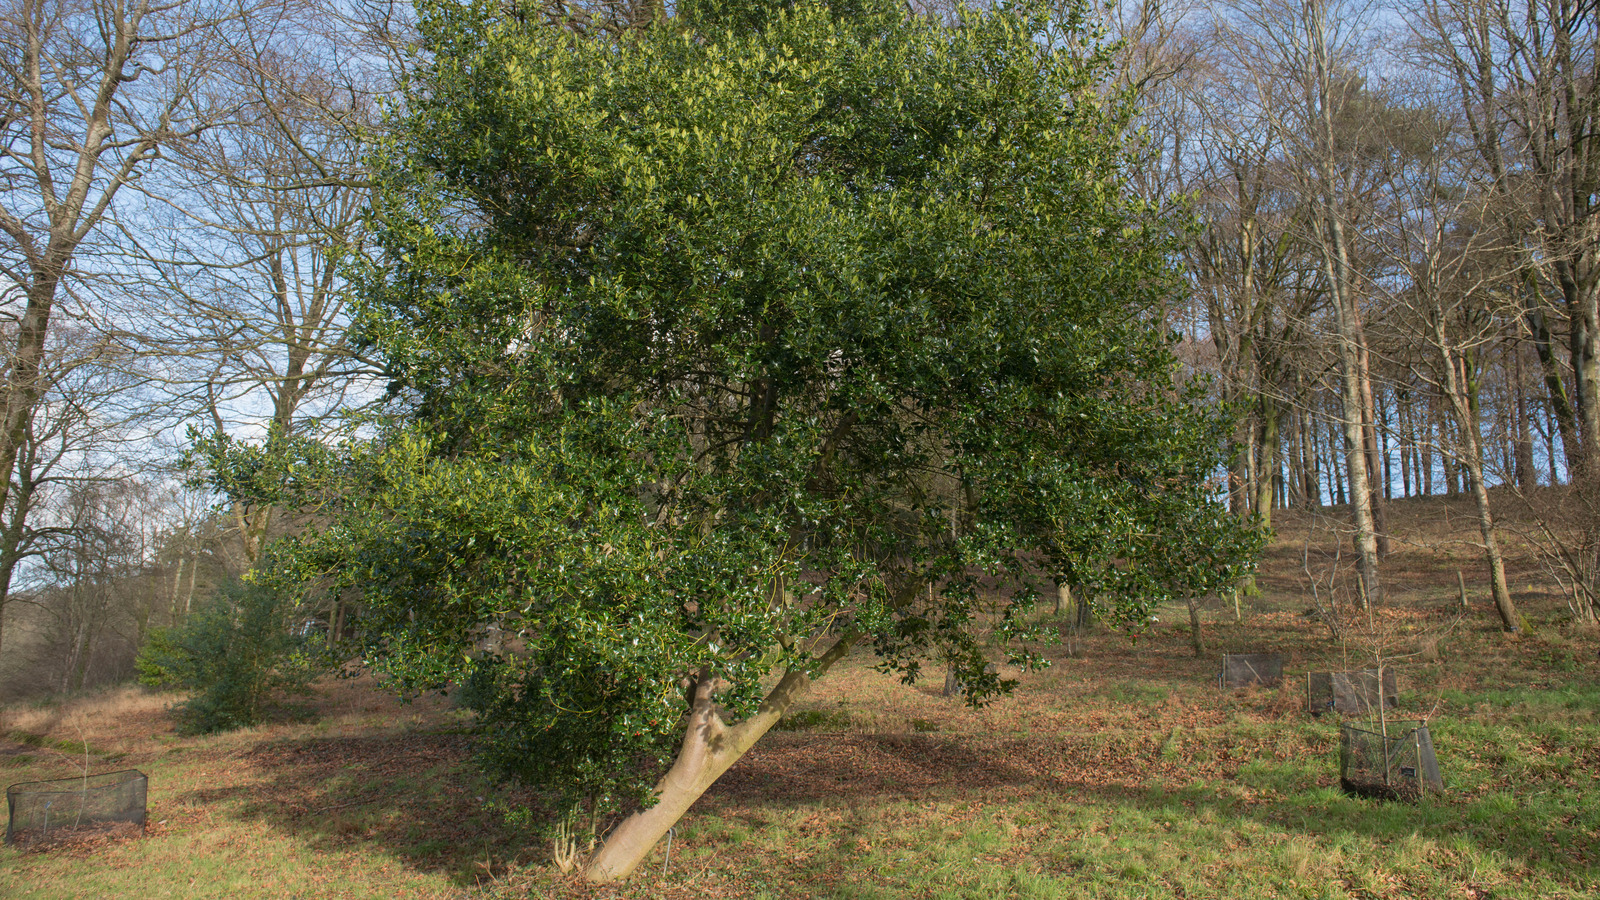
(726, 345)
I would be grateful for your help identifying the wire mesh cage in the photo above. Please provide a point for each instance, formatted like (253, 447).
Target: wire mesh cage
(1351, 693)
(1243, 669)
(38, 808)
(1399, 765)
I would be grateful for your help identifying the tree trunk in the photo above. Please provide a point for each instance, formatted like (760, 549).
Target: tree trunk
(188, 598)
(1267, 469)
(1408, 438)
(1294, 456)
(12, 537)
(1461, 390)
(1196, 639)
(709, 748)
(1309, 463)
(1252, 468)
(1559, 405)
(1336, 479)
(1550, 448)
(177, 581)
(1526, 477)
(1425, 458)
(1369, 430)
(1337, 264)
(1503, 603)
(1064, 599)
(1238, 478)
(1584, 331)
(1385, 432)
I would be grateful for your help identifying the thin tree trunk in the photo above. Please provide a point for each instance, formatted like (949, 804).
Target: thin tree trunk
(1238, 474)
(1461, 390)
(194, 569)
(1560, 407)
(1064, 600)
(177, 581)
(1295, 455)
(1308, 460)
(1327, 219)
(1337, 265)
(1448, 466)
(1402, 406)
(1550, 446)
(1252, 468)
(1369, 433)
(1426, 458)
(1196, 639)
(1384, 432)
(1336, 477)
(1523, 443)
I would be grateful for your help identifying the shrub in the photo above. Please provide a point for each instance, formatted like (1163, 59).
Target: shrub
(237, 651)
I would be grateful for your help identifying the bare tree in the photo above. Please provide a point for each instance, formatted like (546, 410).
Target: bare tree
(1307, 59)
(1526, 80)
(1443, 239)
(248, 299)
(1217, 142)
(91, 93)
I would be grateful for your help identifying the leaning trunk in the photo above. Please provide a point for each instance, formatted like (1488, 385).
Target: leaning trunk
(1491, 545)
(1461, 390)
(709, 748)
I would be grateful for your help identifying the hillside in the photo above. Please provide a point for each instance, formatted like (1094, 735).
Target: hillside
(1120, 771)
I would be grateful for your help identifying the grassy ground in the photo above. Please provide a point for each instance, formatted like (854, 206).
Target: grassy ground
(1121, 771)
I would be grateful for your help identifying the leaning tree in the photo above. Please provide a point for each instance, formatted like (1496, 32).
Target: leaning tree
(759, 334)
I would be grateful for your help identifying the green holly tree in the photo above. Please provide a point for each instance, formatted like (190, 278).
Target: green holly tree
(756, 335)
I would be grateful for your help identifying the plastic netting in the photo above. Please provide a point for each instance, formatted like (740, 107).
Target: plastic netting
(1398, 766)
(1351, 693)
(39, 807)
(1242, 669)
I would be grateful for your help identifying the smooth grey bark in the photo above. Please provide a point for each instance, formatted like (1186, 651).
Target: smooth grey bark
(1460, 393)
(710, 746)
(1334, 248)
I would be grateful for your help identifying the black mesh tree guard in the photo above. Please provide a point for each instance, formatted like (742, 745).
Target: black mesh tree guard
(1350, 693)
(39, 807)
(1399, 765)
(1243, 669)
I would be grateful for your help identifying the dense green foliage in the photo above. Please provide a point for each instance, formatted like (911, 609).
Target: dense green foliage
(237, 653)
(766, 326)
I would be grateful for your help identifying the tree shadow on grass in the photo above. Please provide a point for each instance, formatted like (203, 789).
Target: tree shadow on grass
(418, 795)
(858, 770)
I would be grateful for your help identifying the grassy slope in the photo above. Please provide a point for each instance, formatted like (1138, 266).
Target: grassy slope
(1121, 772)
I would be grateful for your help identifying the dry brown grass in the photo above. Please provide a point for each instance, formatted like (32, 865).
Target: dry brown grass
(1122, 771)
